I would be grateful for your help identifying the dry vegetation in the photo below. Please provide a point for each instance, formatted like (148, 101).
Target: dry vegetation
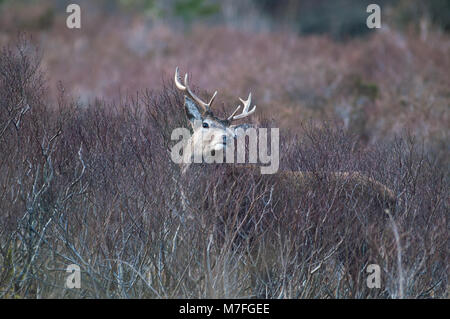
(90, 182)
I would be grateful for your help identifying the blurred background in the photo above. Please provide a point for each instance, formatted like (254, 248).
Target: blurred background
(301, 59)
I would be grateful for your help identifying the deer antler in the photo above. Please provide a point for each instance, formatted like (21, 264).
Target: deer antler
(245, 111)
(206, 106)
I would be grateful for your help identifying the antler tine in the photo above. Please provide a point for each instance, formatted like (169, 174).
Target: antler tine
(230, 118)
(245, 111)
(212, 98)
(206, 106)
(177, 82)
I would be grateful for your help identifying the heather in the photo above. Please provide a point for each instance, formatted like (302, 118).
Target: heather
(86, 176)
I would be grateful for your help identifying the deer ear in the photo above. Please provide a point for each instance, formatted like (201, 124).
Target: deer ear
(192, 110)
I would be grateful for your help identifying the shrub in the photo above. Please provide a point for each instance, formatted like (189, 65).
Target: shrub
(94, 185)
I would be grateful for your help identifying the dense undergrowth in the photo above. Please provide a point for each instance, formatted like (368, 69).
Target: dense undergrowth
(92, 184)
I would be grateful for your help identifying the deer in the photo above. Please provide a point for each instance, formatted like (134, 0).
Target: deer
(216, 134)
(213, 134)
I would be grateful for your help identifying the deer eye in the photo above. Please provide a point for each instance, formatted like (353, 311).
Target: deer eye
(205, 125)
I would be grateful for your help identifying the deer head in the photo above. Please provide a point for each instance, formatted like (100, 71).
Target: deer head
(210, 132)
